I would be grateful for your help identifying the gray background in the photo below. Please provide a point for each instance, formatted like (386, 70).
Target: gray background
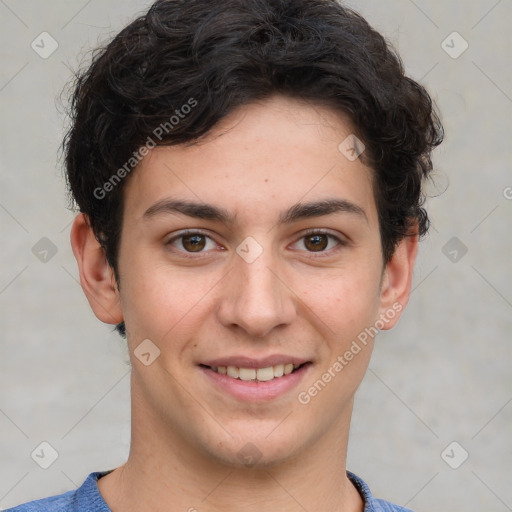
(442, 375)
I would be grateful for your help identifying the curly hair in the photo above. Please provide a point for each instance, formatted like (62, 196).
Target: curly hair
(216, 55)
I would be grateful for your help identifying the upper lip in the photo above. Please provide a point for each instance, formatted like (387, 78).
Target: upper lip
(260, 362)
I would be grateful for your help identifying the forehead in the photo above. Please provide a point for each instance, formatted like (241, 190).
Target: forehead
(256, 160)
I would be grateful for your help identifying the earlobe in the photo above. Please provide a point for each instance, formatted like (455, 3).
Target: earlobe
(397, 280)
(96, 275)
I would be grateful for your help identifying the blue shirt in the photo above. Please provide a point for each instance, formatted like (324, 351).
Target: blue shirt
(88, 499)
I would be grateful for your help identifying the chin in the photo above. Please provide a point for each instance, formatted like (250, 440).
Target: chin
(255, 451)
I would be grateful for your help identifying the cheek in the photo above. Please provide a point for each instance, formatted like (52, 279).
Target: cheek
(346, 301)
(159, 301)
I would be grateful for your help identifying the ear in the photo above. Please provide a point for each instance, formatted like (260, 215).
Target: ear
(397, 280)
(96, 275)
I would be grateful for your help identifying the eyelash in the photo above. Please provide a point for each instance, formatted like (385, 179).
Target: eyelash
(311, 232)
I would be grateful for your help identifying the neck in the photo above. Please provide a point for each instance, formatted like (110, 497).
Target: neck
(165, 473)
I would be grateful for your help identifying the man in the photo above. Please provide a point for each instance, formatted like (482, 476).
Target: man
(248, 175)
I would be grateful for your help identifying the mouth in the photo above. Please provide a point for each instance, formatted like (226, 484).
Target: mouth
(266, 374)
(256, 381)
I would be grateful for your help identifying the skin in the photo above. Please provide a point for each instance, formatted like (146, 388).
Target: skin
(294, 298)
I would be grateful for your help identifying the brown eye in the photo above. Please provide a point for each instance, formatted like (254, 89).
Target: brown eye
(193, 243)
(321, 242)
(316, 242)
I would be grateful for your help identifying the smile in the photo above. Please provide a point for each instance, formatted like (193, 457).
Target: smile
(259, 374)
(256, 380)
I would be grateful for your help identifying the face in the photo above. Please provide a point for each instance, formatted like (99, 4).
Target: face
(251, 254)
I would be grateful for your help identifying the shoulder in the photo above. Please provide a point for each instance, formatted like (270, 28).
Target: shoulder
(87, 497)
(62, 502)
(386, 506)
(372, 504)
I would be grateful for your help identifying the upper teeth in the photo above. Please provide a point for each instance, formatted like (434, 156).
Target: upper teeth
(262, 374)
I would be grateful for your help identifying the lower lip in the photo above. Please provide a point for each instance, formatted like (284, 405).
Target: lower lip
(256, 391)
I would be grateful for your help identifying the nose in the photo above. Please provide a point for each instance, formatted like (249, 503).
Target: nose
(255, 297)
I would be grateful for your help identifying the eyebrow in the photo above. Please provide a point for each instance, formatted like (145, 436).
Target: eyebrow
(297, 212)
